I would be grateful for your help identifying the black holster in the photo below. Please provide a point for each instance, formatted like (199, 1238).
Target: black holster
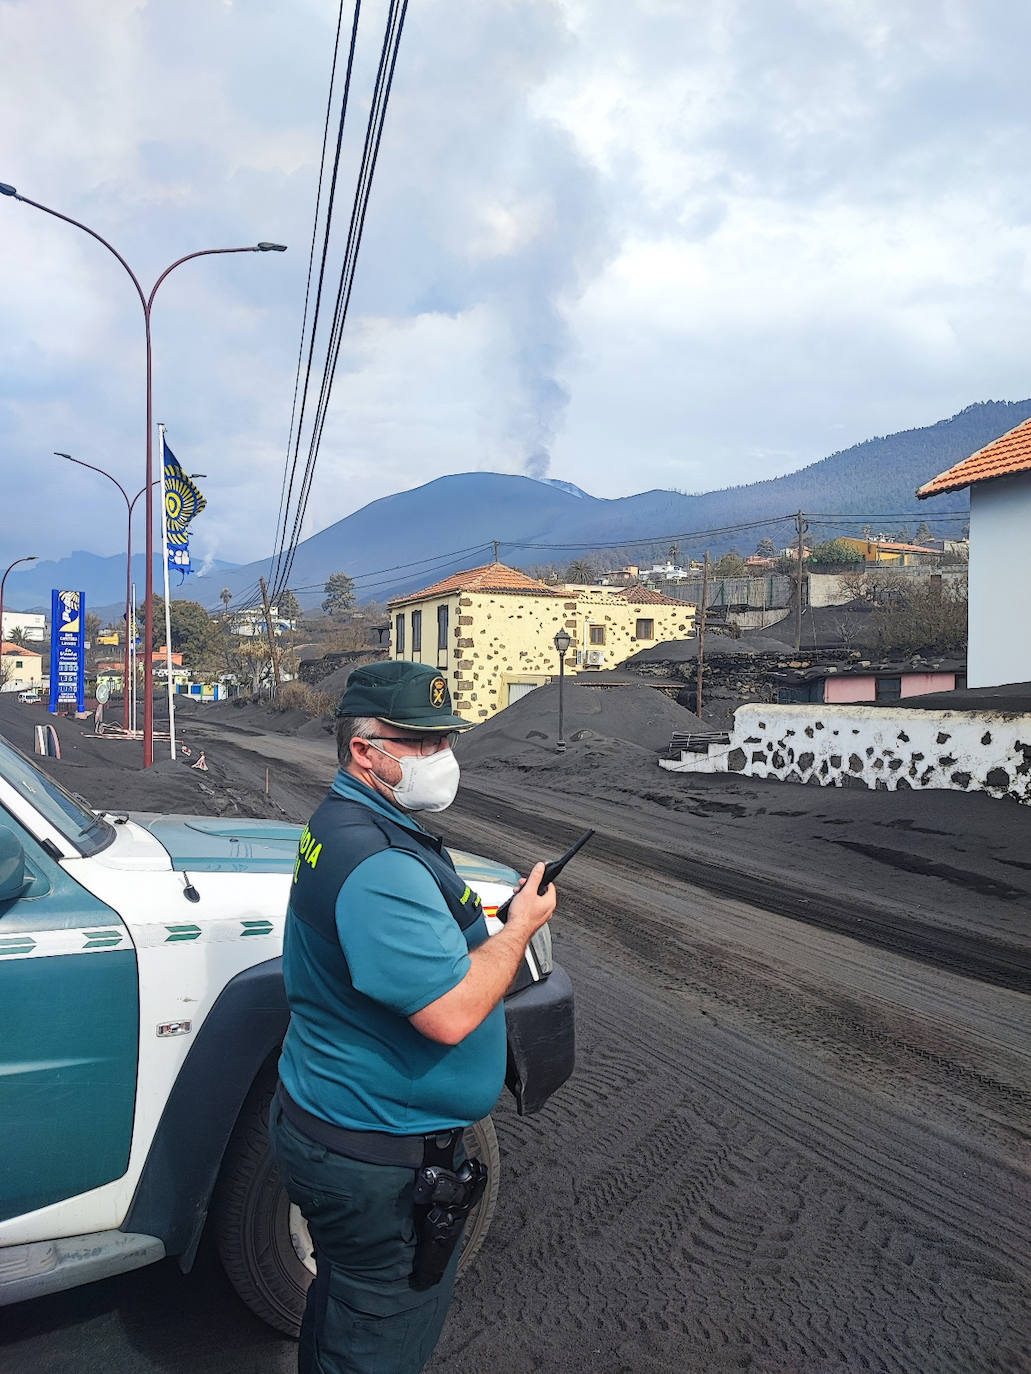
(443, 1200)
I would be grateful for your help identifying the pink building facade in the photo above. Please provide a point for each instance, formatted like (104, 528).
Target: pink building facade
(852, 687)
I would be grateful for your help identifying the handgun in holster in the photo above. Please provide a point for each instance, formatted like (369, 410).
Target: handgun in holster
(443, 1200)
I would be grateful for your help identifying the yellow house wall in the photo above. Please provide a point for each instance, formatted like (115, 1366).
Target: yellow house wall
(443, 658)
(30, 674)
(503, 639)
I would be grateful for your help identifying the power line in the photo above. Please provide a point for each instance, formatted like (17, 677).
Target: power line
(291, 464)
(359, 209)
(287, 468)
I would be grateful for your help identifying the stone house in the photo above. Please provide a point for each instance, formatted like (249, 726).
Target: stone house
(490, 631)
(999, 579)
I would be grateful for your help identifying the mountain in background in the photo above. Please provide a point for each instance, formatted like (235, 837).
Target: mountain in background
(413, 538)
(102, 579)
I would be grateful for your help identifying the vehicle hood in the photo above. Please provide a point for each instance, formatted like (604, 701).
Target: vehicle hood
(211, 844)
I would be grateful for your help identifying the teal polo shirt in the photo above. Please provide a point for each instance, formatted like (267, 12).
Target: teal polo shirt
(351, 1056)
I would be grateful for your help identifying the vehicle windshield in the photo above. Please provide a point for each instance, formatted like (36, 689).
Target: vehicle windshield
(88, 832)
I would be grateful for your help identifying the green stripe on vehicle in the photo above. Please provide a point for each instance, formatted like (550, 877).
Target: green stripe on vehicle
(257, 927)
(103, 939)
(181, 933)
(17, 944)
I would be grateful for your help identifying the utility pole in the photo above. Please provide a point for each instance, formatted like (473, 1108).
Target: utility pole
(701, 633)
(497, 546)
(271, 638)
(800, 527)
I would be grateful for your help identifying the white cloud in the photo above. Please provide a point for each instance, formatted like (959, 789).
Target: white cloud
(665, 242)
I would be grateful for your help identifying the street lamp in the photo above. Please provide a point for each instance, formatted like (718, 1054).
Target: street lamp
(129, 504)
(29, 558)
(562, 643)
(146, 302)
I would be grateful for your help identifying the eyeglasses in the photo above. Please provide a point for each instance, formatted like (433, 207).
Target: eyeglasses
(425, 744)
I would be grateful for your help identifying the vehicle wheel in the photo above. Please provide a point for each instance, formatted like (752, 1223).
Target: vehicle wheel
(262, 1238)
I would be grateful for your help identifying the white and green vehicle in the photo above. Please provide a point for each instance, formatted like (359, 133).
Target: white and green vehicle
(141, 1013)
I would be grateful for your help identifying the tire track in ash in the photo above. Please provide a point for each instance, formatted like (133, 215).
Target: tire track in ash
(695, 1202)
(971, 956)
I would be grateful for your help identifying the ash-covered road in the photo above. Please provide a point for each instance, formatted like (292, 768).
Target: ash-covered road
(785, 1149)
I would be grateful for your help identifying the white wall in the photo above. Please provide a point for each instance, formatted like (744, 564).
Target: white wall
(999, 647)
(880, 748)
(34, 623)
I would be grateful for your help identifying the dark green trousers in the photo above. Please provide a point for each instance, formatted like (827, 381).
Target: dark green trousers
(362, 1316)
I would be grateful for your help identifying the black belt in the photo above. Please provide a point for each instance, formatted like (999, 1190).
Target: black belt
(373, 1147)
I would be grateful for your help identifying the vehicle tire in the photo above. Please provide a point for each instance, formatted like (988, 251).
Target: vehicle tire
(262, 1239)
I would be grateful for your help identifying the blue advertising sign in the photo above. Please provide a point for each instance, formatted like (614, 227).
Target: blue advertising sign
(67, 649)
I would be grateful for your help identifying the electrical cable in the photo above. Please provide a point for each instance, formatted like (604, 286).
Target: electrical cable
(373, 138)
(276, 575)
(311, 260)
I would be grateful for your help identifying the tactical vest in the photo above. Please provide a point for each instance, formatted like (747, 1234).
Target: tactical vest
(342, 834)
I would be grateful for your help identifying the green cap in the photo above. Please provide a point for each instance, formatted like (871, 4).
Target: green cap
(410, 694)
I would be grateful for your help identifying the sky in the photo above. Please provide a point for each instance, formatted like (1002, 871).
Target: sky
(623, 243)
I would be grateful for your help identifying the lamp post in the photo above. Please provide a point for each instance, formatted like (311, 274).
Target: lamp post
(29, 558)
(129, 504)
(146, 302)
(128, 573)
(562, 643)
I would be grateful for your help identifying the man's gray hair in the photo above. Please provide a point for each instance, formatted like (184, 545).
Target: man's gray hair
(349, 728)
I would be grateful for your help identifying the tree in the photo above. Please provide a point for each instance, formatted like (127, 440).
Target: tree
(580, 570)
(225, 596)
(92, 627)
(832, 553)
(855, 584)
(926, 618)
(730, 565)
(339, 593)
(191, 629)
(923, 534)
(288, 606)
(766, 548)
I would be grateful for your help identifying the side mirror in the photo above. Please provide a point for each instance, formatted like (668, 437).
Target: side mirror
(13, 879)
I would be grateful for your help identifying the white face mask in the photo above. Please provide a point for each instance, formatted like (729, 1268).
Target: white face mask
(427, 784)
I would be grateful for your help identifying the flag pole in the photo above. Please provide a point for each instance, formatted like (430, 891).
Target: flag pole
(168, 612)
(132, 662)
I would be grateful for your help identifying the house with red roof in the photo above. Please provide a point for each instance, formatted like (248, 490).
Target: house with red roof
(491, 631)
(20, 669)
(999, 585)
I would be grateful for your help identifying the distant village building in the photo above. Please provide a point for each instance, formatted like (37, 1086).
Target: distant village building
(20, 668)
(490, 630)
(30, 626)
(999, 585)
(878, 552)
(252, 622)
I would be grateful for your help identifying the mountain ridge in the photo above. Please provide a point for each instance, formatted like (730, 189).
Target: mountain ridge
(410, 539)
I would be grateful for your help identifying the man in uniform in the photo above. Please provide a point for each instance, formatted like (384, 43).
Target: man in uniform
(397, 1036)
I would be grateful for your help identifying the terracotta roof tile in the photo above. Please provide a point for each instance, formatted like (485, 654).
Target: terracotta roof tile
(638, 593)
(491, 577)
(10, 648)
(1009, 454)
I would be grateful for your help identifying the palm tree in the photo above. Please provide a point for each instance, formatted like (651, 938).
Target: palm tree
(580, 571)
(225, 596)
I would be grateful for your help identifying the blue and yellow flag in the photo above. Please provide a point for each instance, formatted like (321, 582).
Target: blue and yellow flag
(182, 502)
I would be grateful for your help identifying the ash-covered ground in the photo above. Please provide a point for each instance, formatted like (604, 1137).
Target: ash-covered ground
(797, 1135)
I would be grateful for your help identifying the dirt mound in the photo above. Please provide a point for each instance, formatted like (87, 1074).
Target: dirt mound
(635, 718)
